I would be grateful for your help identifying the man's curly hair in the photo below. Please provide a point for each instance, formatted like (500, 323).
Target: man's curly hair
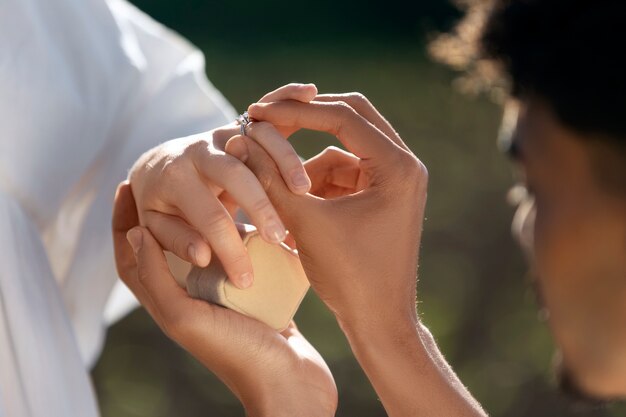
(569, 53)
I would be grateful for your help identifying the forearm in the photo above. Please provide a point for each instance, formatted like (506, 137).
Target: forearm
(408, 372)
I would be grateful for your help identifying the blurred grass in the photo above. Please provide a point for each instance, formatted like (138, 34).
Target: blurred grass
(472, 290)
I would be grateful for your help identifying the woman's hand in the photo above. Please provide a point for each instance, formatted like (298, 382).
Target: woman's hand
(188, 189)
(273, 374)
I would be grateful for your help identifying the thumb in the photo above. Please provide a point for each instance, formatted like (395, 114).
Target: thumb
(154, 282)
(264, 168)
(124, 218)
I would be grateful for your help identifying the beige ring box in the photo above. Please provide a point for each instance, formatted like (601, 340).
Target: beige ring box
(279, 284)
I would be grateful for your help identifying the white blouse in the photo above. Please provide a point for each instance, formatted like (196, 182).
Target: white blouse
(86, 86)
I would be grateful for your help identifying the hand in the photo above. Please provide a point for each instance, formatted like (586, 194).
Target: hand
(360, 250)
(188, 189)
(277, 374)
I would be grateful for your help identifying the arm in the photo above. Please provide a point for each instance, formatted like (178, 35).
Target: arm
(408, 371)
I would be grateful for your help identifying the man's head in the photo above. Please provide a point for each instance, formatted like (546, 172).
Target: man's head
(562, 64)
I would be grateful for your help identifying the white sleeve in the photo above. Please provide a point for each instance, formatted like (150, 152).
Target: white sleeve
(169, 97)
(41, 373)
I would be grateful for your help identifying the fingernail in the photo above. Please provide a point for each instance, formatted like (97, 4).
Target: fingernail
(275, 232)
(135, 238)
(191, 251)
(245, 280)
(300, 180)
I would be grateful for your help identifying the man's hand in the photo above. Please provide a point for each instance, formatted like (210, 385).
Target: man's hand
(273, 374)
(188, 189)
(358, 241)
(359, 250)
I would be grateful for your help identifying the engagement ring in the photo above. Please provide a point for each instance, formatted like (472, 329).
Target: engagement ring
(243, 120)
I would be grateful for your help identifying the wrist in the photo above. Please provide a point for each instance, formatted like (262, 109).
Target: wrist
(283, 389)
(378, 335)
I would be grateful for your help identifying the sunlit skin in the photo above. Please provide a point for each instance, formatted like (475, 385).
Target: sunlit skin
(579, 247)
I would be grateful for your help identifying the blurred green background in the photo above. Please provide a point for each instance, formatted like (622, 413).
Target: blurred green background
(473, 290)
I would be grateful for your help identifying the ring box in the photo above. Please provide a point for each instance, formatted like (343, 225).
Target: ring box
(279, 284)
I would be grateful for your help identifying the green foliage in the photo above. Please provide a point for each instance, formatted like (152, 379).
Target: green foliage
(308, 20)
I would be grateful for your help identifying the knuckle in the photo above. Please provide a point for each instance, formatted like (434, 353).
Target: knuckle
(413, 169)
(197, 147)
(237, 260)
(357, 100)
(289, 158)
(405, 165)
(422, 169)
(422, 172)
(259, 128)
(342, 108)
(343, 112)
(173, 171)
(263, 207)
(180, 242)
(218, 222)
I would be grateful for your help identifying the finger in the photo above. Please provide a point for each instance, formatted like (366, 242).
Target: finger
(298, 92)
(176, 236)
(233, 176)
(205, 213)
(357, 134)
(365, 108)
(124, 218)
(264, 168)
(293, 91)
(154, 279)
(283, 154)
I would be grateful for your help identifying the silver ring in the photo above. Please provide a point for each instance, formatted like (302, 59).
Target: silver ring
(243, 120)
